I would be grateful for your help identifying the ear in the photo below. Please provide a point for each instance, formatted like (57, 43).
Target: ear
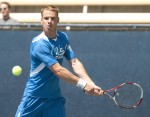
(41, 20)
(58, 20)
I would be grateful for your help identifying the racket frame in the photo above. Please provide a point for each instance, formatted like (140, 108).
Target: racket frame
(114, 90)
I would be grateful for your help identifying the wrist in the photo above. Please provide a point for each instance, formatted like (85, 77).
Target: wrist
(81, 83)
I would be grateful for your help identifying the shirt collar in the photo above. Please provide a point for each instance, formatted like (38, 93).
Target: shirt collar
(45, 37)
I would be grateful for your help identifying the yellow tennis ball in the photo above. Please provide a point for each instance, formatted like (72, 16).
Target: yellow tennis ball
(17, 70)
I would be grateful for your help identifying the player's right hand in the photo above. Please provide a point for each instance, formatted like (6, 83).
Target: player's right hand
(89, 89)
(98, 91)
(93, 90)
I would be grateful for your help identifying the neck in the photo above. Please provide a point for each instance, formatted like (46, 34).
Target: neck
(51, 35)
(6, 18)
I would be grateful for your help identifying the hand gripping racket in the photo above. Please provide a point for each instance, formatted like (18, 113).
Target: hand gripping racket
(126, 95)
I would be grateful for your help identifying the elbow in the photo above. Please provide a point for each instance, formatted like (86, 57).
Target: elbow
(56, 69)
(57, 72)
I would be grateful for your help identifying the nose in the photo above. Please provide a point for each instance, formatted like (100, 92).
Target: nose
(49, 20)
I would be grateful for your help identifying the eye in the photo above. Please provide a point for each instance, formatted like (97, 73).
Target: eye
(46, 18)
(53, 18)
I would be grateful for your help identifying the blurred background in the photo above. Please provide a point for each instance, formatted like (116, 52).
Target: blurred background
(110, 37)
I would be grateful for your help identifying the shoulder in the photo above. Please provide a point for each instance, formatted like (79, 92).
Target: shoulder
(40, 37)
(40, 43)
(12, 21)
(9, 21)
(1, 21)
(62, 35)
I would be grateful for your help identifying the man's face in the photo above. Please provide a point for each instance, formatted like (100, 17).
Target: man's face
(49, 20)
(4, 10)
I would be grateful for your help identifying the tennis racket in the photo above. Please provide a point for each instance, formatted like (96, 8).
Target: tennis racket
(126, 95)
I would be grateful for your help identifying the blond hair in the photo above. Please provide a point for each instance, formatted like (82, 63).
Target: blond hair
(50, 8)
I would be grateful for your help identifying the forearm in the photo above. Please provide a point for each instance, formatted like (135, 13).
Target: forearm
(64, 74)
(79, 69)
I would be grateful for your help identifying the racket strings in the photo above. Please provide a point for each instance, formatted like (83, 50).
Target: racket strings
(128, 95)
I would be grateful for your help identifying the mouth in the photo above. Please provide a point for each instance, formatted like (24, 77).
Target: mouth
(3, 12)
(49, 26)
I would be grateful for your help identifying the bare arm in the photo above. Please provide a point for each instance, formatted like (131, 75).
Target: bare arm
(80, 71)
(64, 74)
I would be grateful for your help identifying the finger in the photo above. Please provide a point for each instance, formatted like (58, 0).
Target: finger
(101, 92)
(88, 93)
(97, 88)
(98, 92)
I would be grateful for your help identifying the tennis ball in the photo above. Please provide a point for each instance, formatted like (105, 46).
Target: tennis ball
(16, 70)
(67, 27)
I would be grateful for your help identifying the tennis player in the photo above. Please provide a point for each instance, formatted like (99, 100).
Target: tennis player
(42, 95)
